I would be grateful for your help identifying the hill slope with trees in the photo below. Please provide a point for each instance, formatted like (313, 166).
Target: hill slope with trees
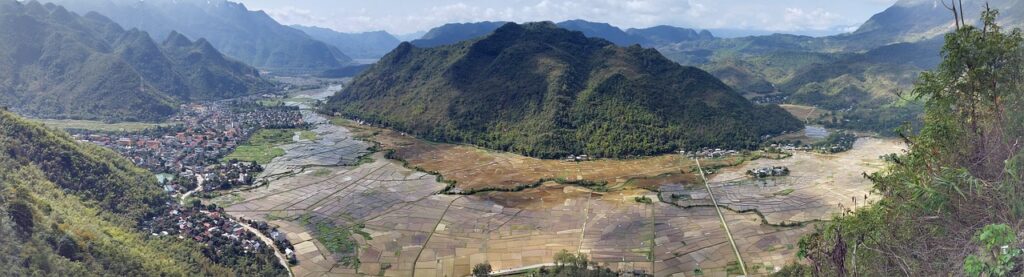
(70, 209)
(544, 91)
(55, 63)
(953, 204)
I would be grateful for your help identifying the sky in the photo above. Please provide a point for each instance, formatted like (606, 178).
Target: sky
(811, 17)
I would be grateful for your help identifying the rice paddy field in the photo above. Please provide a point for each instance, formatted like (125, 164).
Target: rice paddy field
(354, 209)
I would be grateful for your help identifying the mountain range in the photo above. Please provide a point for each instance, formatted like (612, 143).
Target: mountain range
(252, 37)
(455, 32)
(56, 63)
(365, 45)
(541, 90)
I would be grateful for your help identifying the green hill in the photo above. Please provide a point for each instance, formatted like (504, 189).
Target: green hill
(544, 91)
(54, 63)
(70, 209)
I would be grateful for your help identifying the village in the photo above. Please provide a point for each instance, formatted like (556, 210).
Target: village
(226, 235)
(191, 150)
(189, 157)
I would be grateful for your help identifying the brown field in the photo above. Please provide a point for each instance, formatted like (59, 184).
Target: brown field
(475, 169)
(411, 230)
(805, 113)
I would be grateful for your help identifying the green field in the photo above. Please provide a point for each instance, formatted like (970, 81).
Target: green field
(307, 135)
(262, 146)
(99, 125)
(282, 101)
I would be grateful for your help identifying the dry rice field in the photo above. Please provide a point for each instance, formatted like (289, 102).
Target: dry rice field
(412, 229)
(476, 169)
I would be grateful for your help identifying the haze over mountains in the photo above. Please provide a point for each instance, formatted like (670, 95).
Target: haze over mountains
(56, 63)
(249, 36)
(545, 91)
(366, 45)
(657, 35)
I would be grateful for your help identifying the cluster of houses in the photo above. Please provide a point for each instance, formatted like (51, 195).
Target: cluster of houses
(769, 99)
(836, 143)
(709, 153)
(771, 171)
(279, 238)
(219, 176)
(207, 226)
(577, 158)
(788, 146)
(206, 133)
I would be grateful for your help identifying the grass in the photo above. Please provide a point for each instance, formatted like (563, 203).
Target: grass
(321, 172)
(338, 239)
(643, 200)
(733, 268)
(783, 192)
(262, 146)
(99, 125)
(281, 101)
(307, 135)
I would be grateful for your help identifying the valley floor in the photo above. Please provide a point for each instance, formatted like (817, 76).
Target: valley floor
(412, 229)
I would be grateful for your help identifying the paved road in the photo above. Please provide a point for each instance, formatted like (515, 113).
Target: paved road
(270, 242)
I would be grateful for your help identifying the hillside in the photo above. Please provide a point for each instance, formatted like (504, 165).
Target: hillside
(544, 91)
(958, 186)
(366, 45)
(70, 209)
(58, 64)
(252, 37)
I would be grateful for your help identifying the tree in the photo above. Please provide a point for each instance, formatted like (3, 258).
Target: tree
(960, 181)
(482, 269)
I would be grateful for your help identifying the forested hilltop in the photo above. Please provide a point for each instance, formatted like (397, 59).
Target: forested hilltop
(70, 209)
(543, 91)
(58, 64)
(954, 204)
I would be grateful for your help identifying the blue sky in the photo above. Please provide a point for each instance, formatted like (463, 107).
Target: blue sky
(816, 17)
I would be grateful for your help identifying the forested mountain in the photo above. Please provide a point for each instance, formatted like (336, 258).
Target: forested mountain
(452, 33)
(366, 45)
(70, 209)
(248, 36)
(541, 90)
(56, 63)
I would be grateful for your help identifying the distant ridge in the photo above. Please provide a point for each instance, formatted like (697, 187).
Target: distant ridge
(249, 36)
(649, 37)
(366, 45)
